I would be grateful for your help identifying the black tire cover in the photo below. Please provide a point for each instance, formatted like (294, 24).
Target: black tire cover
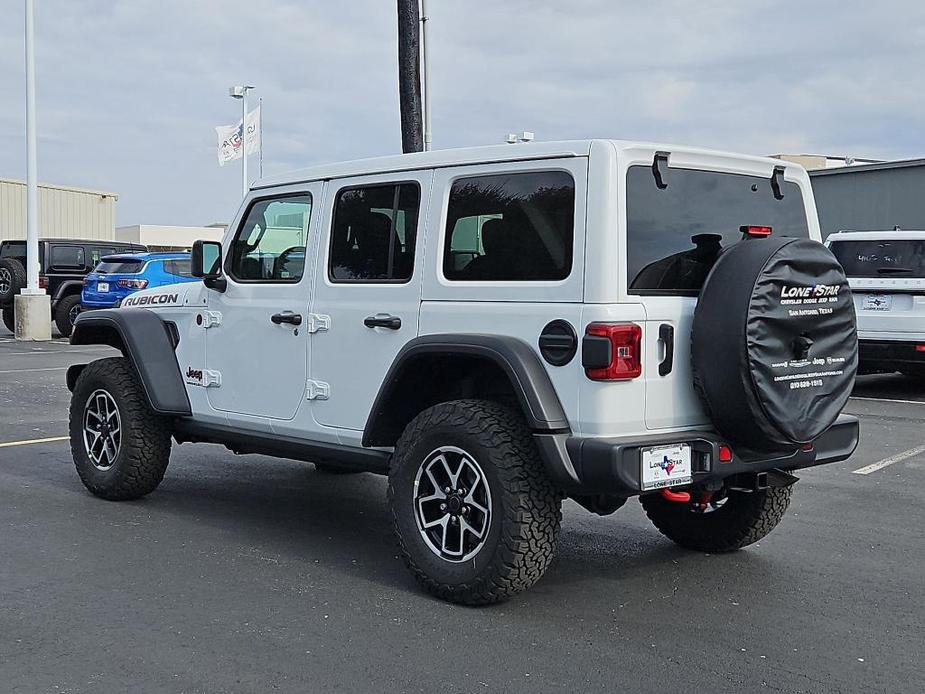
(774, 343)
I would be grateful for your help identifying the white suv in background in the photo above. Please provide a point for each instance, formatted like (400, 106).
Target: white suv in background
(886, 271)
(495, 329)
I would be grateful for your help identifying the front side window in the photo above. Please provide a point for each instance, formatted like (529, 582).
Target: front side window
(675, 234)
(178, 267)
(270, 244)
(902, 258)
(67, 257)
(374, 232)
(510, 227)
(97, 253)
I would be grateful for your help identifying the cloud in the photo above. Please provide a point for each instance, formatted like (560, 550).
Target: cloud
(128, 93)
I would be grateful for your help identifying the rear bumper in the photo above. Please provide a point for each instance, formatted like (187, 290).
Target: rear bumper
(100, 301)
(890, 352)
(613, 465)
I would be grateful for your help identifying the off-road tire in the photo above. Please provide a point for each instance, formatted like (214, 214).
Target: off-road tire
(144, 452)
(525, 505)
(743, 519)
(17, 277)
(9, 319)
(63, 314)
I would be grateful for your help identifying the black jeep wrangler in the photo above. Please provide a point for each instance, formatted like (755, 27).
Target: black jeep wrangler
(63, 265)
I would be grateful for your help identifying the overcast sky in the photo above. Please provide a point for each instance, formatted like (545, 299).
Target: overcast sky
(129, 92)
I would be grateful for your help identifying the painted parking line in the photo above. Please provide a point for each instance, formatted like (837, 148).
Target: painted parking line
(911, 453)
(901, 402)
(55, 351)
(20, 371)
(50, 439)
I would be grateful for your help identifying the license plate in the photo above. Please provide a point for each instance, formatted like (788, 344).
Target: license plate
(103, 287)
(666, 466)
(878, 302)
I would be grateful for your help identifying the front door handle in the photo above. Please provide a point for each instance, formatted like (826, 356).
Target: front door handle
(382, 320)
(287, 317)
(666, 337)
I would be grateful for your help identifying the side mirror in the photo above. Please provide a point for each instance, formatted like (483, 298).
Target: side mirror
(206, 262)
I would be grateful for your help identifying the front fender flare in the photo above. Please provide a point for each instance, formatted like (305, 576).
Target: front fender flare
(143, 338)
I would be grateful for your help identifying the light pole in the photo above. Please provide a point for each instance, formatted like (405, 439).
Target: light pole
(32, 306)
(425, 65)
(240, 92)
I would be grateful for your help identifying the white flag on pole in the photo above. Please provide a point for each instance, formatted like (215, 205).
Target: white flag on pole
(230, 138)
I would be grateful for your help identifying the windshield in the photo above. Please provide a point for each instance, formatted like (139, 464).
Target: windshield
(884, 258)
(675, 234)
(119, 266)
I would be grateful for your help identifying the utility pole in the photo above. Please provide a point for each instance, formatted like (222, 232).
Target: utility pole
(409, 76)
(32, 307)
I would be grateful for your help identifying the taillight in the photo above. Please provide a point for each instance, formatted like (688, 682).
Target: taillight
(625, 358)
(920, 348)
(43, 282)
(133, 284)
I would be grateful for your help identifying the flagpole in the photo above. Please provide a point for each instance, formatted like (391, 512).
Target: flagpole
(260, 151)
(244, 143)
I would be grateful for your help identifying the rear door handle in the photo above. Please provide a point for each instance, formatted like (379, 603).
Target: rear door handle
(666, 337)
(382, 320)
(287, 317)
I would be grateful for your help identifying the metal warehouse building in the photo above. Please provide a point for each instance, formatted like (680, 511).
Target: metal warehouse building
(871, 197)
(64, 212)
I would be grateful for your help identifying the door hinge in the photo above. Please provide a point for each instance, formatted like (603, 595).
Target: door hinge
(317, 390)
(318, 322)
(210, 319)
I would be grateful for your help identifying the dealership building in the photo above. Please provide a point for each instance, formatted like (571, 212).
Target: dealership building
(82, 213)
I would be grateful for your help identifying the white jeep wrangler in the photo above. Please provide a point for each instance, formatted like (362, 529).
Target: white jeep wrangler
(496, 329)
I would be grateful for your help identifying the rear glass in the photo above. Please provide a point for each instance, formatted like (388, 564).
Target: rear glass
(884, 258)
(675, 234)
(110, 267)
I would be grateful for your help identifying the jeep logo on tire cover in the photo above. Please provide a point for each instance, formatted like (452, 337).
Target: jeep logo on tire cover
(151, 300)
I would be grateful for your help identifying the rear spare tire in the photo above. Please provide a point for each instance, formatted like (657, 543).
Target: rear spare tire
(774, 343)
(12, 279)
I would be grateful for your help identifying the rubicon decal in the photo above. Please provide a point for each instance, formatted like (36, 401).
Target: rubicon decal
(151, 300)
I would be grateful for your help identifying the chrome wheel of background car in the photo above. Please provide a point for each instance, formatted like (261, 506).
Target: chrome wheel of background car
(6, 280)
(452, 504)
(102, 429)
(710, 502)
(73, 313)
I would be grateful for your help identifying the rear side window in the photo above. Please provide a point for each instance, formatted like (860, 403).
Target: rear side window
(374, 233)
(510, 227)
(178, 267)
(675, 234)
(270, 244)
(886, 258)
(110, 267)
(67, 257)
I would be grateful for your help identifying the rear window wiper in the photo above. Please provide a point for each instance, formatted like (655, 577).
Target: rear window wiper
(894, 270)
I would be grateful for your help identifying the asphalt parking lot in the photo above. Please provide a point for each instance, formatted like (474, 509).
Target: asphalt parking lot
(250, 574)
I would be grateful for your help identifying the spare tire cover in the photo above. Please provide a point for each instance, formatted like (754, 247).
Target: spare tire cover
(774, 343)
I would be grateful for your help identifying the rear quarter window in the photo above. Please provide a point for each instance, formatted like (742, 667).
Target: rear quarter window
(675, 234)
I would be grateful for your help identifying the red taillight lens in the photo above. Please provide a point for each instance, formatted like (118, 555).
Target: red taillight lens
(43, 282)
(755, 231)
(725, 454)
(920, 348)
(625, 351)
(133, 284)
